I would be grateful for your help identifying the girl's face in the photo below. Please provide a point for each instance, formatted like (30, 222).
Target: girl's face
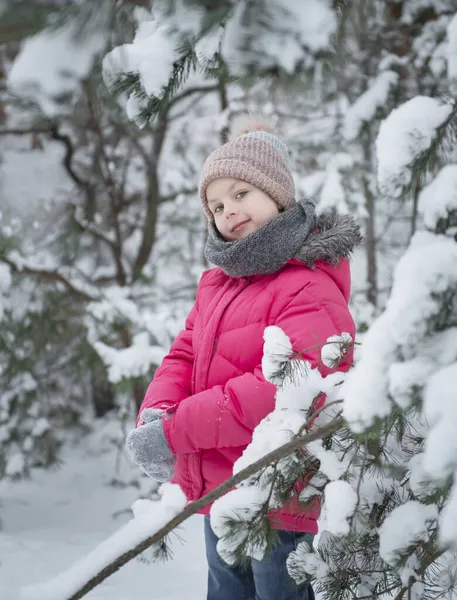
(238, 207)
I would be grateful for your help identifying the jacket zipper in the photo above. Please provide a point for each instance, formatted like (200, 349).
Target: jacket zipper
(213, 350)
(211, 355)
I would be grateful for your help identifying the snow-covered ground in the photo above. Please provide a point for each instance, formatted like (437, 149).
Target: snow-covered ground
(58, 516)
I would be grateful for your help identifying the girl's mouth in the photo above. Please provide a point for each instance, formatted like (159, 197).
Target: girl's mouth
(240, 224)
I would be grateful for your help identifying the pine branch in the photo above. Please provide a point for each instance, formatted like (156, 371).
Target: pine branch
(194, 507)
(444, 141)
(419, 573)
(130, 84)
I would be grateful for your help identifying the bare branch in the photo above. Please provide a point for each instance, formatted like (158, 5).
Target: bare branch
(68, 158)
(174, 195)
(103, 163)
(53, 131)
(203, 89)
(152, 196)
(44, 130)
(50, 276)
(93, 230)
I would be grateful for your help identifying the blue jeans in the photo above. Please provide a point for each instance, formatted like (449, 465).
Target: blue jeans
(267, 579)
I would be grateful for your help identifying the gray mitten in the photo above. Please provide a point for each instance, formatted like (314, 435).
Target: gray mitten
(148, 447)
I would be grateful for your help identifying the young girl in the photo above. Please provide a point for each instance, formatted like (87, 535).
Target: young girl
(277, 263)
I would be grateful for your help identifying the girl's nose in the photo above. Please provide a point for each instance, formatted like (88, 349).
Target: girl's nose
(231, 210)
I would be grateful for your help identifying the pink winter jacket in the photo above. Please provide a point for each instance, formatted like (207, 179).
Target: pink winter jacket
(212, 378)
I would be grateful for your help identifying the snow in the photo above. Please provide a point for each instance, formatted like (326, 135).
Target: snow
(404, 377)
(334, 349)
(154, 49)
(331, 465)
(448, 519)
(115, 305)
(53, 63)
(65, 518)
(15, 465)
(60, 516)
(365, 107)
(134, 361)
(428, 265)
(143, 353)
(314, 21)
(311, 184)
(440, 401)
(186, 16)
(144, 524)
(303, 561)
(452, 54)
(419, 481)
(40, 427)
(405, 525)
(5, 277)
(5, 283)
(307, 24)
(277, 350)
(134, 106)
(28, 201)
(243, 504)
(151, 55)
(430, 47)
(439, 197)
(408, 131)
(208, 45)
(333, 193)
(340, 500)
(362, 402)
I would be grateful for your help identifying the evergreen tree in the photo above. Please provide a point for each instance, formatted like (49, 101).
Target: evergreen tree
(88, 302)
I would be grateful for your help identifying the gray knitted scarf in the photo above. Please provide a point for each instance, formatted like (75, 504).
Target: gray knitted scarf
(295, 233)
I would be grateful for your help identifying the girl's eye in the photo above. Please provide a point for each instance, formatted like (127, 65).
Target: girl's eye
(240, 195)
(218, 207)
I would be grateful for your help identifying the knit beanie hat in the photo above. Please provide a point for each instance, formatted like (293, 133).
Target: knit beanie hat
(256, 155)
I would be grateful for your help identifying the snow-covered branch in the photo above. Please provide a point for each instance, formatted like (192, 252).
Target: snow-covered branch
(80, 579)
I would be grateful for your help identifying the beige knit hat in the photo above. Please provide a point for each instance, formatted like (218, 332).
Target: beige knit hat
(254, 155)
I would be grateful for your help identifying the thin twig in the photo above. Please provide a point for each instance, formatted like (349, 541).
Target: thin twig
(51, 276)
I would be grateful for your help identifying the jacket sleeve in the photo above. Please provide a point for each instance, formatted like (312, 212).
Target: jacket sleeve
(227, 415)
(172, 380)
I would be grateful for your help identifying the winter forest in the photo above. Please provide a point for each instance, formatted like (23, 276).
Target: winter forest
(108, 110)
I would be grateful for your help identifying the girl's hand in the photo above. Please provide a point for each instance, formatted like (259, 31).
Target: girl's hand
(148, 447)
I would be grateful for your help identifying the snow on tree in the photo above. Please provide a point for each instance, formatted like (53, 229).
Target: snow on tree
(103, 266)
(235, 40)
(399, 400)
